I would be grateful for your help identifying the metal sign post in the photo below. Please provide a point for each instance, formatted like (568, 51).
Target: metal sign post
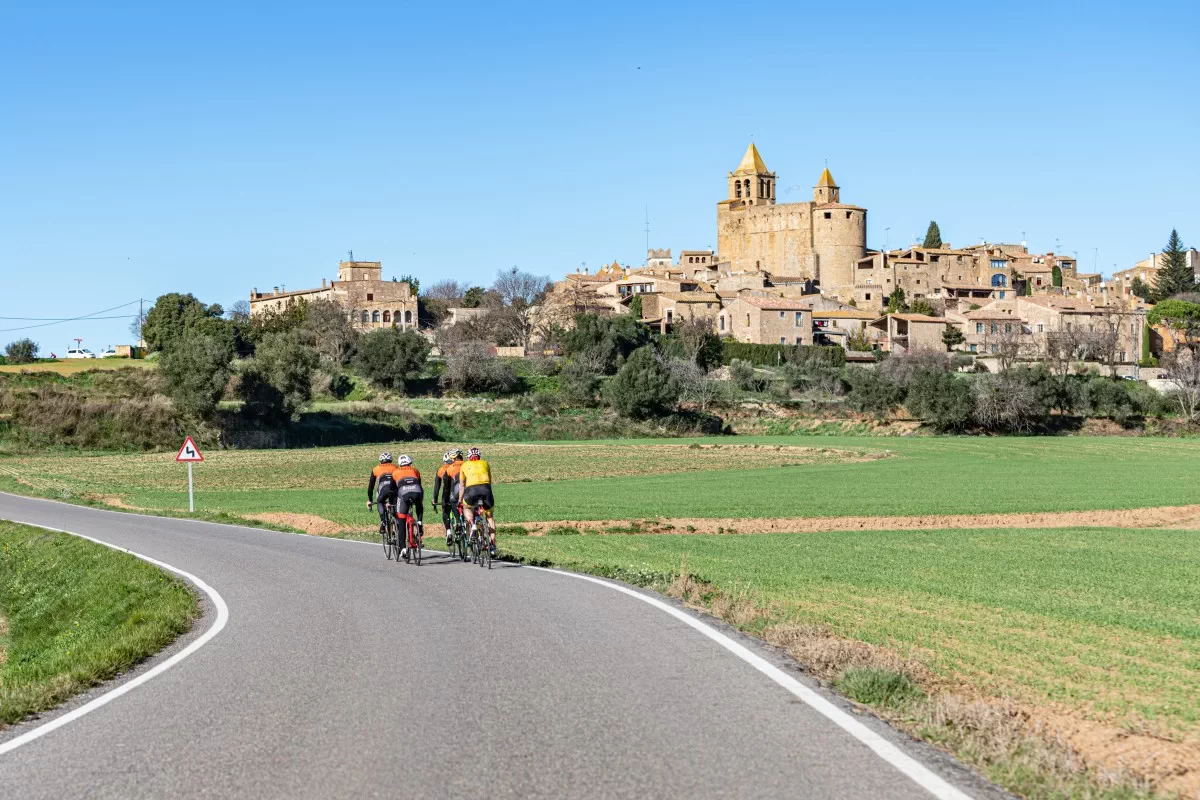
(190, 454)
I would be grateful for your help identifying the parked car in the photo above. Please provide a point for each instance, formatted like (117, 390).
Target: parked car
(80, 352)
(108, 352)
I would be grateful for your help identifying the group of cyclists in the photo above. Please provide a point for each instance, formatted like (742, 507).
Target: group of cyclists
(465, 484)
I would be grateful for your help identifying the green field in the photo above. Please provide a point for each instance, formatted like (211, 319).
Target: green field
(742, 477)
(77, 613)
(77, 365)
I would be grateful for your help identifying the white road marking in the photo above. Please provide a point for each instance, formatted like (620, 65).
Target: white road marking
(108, 697)
(915, 770)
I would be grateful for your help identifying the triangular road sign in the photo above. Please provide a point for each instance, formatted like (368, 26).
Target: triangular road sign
(189, 451)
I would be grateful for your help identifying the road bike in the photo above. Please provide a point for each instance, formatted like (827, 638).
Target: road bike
(414, 540)
(481, 551)
(391, 547)
(458, 544)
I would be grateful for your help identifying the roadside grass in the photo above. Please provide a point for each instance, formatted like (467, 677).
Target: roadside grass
(638, 479)
(75, 365)
(997, 644)
(77, 614)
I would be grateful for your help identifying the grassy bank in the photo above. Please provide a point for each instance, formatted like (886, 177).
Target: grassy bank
(1091, 635)
(77, 614)
(720, 477)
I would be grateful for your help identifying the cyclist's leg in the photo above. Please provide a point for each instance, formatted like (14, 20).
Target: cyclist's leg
(402, 520)
(418, 505)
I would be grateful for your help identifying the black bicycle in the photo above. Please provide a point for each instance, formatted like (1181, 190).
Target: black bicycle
(481, 550)
(391, 547)
(458, 545)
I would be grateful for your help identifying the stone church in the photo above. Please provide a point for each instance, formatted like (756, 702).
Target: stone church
(820, 240)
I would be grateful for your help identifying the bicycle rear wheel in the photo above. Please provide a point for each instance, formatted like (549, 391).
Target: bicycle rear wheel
(418, 544)
(387, 536)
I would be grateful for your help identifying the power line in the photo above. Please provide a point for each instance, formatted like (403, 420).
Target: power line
(93, 315)
(67, 319)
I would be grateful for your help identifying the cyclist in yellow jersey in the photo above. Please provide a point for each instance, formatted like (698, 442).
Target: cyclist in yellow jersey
(475, 488)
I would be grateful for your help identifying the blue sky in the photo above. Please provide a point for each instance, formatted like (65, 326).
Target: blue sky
(149, 147)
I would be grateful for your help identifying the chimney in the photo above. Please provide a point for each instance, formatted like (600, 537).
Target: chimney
(322, 283)
(276, 290)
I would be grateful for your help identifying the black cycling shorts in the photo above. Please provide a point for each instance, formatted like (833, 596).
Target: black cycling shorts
(410, 496)
(479, 495)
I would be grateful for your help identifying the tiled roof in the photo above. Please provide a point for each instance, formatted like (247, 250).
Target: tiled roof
(776, 304)
(919, 318)
(844, 314)
(752, 163)
(826, 179)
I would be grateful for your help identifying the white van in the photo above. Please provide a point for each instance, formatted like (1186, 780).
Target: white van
(81, 352)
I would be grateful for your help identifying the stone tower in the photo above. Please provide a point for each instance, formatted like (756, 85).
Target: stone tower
(752, 182)
(826, 191)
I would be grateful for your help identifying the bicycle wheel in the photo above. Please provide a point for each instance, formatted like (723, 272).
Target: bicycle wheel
(387, 536)
(461, 536)
(418, 543)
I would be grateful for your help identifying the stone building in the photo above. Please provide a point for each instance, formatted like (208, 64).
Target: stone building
(370, 301)
(905, 333)
(766, 320)
(820, 240)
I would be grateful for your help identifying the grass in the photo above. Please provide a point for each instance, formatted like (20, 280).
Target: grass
(875, 686)
(77, 614)
(727, 477)
(76, 365)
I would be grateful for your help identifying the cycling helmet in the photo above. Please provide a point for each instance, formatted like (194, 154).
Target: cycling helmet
(385, 458)
(447, 456)
(455, 453)
(473, 454)
(404, 461)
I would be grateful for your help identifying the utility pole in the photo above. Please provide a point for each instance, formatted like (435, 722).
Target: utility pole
(647, 231)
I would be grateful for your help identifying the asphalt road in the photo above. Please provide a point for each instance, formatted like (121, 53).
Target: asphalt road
(340, 674)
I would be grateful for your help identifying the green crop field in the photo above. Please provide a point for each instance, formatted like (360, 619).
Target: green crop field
(77, 365)
(751, 478)
(1105, 621)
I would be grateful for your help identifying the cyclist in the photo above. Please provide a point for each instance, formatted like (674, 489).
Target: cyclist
(409, 496)
(475, 487)
(381, 488)
(445, 488)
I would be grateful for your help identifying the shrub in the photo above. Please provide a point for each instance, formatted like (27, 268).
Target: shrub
(607, 340)
(260, 399)
(331, 332)
(901, 369)
(473, 369)
(287, 363)
(941, 400)
(871, 392)
(746, 377)
(1010, 402)
(195, 369)
(389, 358)
(874, 686)
(579, 380)
(643, 387)
(22, 351)
(771, 355)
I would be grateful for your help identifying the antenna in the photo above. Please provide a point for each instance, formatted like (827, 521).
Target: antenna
(647, 230)
(349, 255)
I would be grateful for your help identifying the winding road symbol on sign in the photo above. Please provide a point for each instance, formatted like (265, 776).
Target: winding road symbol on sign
(189, 452)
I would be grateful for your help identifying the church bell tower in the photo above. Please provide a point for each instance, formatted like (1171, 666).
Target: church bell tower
(752, 183)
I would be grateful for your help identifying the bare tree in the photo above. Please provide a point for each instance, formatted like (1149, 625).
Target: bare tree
(519, 294)
(1101, 342)
(330, 330)
(239, 311)
(695, 387)
(1008, 342)
(448, 291)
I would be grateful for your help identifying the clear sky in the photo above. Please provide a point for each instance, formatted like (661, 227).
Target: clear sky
(149, 147)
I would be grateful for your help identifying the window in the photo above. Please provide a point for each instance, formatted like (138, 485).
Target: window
(995, 328)
(374, 316)
(918, 281)
(737, 187)
(828, 215)
(708, 306)
(847, 215)
(1041, 327)
(1008, 327)
(999, 279)
(869, 281)
(995, 349)
(364, 276)
(799, 318)
(721, 322)
(1122, 355)
(974, 348)
(366, 317)
(999, 263)
(868, 295)
(370, 297)
(799, 340)
(408, 318)
(387, 316)
(979, 327)
(670, 316)
(781, 314)
(747, 320)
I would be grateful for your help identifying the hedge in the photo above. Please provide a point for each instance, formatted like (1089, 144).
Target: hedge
(770, 355)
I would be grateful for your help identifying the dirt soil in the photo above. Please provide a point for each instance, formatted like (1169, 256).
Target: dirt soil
(1168, 763)
(1179, 517)
(309, 523)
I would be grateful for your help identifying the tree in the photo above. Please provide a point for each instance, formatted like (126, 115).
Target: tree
(872, 393)
(518, 294)
(579, 381)
(1142, 289)
(1009, 402)
(431, 312)
(472, 368)
(239, 311)
(287, 362)
(933, 236)
(390, 358)
(643, 387)
(175, 314)
(699, 343)
(448, 291)
(859, 340)
(635, 307)
(941, 400)
(607, 339)
(1056, 275)
(22, 351)
(695, 386)
(195, 369)
(921, 306)
(328, 329)
(896, 304)
(473, 297)
(1174, 274)
(952, 337)
(1006, 342)
(1182, 321)
(414, 283)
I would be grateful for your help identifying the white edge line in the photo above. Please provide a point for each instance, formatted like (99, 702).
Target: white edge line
(889, 752)
(158, 669)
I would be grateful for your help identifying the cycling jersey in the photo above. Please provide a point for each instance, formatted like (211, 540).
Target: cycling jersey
(445, 484)
(476, 473)
(381, 474)
(407, 479)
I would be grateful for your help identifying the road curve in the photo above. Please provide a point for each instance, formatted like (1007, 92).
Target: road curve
(340, 674)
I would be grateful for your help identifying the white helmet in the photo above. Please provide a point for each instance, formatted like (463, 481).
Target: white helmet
(404, 461)
(385, 458)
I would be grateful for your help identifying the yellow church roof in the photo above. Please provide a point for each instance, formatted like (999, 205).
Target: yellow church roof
(752, 163)
(827, 179)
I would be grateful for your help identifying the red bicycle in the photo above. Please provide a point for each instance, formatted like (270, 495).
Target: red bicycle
(414, 540)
